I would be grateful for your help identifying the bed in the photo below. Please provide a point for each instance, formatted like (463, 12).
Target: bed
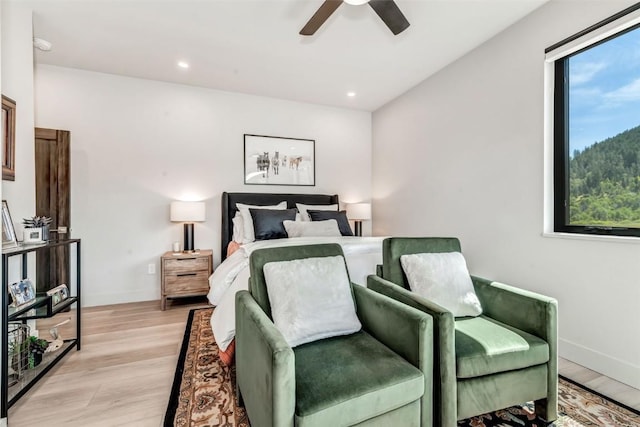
(361, 253)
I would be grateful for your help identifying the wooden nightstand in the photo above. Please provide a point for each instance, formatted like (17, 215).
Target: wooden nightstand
(185, 275)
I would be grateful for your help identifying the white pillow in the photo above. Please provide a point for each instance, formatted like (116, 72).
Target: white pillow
(238, 228)
(249, 233)
(328, 228)
(311, 299)
(304, 208)
(444, 279)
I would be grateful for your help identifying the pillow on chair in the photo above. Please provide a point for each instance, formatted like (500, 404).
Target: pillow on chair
(311, 299)
(444, 279)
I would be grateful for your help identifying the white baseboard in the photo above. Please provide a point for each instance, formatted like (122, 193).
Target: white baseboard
(97, 299)
(612, 367)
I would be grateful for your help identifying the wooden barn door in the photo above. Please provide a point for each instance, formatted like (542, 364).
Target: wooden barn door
(52, 200)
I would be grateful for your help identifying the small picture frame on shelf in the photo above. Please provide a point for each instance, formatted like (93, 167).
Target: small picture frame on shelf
(32, 236)
(8, 232)
(22, 292)
(58, 294)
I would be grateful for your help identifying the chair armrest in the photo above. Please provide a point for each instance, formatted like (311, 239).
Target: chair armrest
(379, 270)
(405, 330)
(529, 312)
(262, 353)
(525, 310)
(444, 355)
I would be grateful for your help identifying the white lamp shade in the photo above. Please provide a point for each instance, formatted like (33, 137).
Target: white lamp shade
(359, 211)
(187, 211)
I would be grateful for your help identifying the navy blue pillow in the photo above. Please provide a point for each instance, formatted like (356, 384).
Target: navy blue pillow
(340, 216)
(267, 223)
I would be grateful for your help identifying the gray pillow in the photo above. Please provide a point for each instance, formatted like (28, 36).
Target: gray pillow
(340, 216)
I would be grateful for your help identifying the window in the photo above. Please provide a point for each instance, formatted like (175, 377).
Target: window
(596, 132)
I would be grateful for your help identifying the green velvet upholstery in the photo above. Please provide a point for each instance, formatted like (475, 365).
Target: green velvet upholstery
(379, 376)
(485, 346)
(504, 357)
(343, 380)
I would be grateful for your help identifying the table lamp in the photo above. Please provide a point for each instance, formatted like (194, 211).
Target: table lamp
(359, 212)
(187, 212)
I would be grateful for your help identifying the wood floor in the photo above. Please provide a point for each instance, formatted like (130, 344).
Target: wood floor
(123, 374)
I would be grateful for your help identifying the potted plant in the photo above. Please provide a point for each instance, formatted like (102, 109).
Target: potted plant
(36, 348)
(36, 229)
(27, 354)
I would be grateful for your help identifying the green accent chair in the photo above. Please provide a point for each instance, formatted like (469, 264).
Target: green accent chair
(378, 376)
(504, 357)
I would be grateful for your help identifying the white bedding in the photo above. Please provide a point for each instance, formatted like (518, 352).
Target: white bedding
(361, 253)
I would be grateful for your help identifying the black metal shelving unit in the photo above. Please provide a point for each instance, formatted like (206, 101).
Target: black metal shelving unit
(40, 308)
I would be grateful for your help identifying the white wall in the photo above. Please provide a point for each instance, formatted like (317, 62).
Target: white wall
(462, 155)
(137, 144)
(16, 75)
(17, 84)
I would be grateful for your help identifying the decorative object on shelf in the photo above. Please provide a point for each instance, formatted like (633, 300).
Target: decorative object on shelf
(58, 294)
(273, 160)
(8, 232)
(18, 334)
(58, 341)
(22, 292)
(35, 348)
(36, 229)
(188, 212)
(359, 212)
(8, 127)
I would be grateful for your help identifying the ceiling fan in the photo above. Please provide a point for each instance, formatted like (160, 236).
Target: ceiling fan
(387, 10)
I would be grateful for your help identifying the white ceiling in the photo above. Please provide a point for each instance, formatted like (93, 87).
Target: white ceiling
(253, 46)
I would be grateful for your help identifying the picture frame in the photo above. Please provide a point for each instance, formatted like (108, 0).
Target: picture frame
(8, 139)
(8, 231)
(275, 160)
(31, 236)
(22, 292)
(58, 294)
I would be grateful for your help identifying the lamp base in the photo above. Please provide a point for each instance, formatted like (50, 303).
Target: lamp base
(188, 238)
(358, 231)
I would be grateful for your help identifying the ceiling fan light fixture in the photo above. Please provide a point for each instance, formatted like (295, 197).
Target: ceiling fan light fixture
(356, 2)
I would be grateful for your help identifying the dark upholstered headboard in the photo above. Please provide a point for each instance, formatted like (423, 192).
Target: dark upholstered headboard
(229, 209)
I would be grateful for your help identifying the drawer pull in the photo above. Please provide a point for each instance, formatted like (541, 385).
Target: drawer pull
(186, 274)
(185, 259)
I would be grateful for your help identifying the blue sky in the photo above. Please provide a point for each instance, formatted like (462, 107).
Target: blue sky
(604, 91)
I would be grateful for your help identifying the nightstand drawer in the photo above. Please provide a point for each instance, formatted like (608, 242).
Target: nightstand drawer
(186, 264)
(187, 283)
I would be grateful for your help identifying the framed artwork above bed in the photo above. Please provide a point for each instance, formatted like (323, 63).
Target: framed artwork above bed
(274, 160)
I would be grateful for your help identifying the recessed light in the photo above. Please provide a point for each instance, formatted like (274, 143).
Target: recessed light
(183, 64)
(41, 44)
(351, 94)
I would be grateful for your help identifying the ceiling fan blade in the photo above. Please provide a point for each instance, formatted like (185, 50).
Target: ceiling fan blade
(321, 15)
(391, 14)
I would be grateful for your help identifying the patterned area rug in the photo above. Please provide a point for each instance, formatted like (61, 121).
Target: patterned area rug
(203, 393)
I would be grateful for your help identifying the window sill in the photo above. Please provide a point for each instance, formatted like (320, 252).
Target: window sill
(592, 237)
